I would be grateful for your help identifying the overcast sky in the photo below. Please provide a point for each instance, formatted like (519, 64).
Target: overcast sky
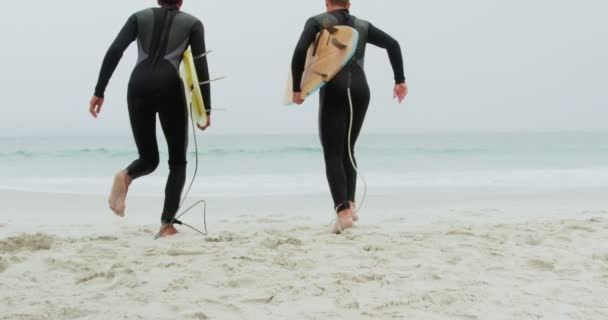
(472, 65)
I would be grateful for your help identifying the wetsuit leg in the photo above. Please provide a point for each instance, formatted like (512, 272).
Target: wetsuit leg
(174, 121)
(360, 94)
(334, 120)
(142, 115)
(332, 129)
(158, 89)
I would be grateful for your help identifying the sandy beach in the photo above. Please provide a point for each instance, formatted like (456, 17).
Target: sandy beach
(486, 187)
(262, 262)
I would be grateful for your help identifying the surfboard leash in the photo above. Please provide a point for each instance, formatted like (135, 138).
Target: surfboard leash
(201, 202)
(350, 151)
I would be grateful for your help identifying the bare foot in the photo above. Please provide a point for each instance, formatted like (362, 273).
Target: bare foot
(343, 222)
(119, 193)
(353, 208)
(167, 230)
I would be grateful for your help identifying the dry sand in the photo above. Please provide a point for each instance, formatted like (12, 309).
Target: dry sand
(272, 266)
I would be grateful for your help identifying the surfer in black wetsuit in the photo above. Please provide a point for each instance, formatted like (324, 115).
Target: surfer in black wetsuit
(334, 113)
(155, 87)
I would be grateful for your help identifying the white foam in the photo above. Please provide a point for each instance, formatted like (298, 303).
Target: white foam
(297, 184)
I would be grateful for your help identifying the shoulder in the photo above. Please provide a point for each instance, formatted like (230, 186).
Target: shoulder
(320, 16)
(143, 13)
(186, 17)
(319, 20)
(324, 19)
(361, 23)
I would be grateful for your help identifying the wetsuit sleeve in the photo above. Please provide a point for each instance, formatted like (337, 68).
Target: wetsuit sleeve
(127, 35)
(197, 43)
(298, 63)
(381, 39)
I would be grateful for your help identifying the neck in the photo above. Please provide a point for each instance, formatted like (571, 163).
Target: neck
(171, 5)
(334, 8)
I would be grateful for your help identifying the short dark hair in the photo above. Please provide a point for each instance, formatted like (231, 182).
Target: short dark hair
(170, 2)
(343, 3)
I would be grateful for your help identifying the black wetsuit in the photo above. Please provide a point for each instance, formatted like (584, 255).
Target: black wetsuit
(162, 35)
(334, 113)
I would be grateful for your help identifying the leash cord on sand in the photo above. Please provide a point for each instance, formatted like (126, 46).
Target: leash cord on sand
(202, 202)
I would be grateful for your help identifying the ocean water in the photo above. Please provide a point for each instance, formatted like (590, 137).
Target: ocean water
(293, 164)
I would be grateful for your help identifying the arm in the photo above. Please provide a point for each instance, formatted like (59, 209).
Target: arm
(381, 39)
(127, 35)
(197, 42)
(298, 63)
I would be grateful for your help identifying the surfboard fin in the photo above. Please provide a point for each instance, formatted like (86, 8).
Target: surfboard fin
(212, 80)
(324, 75)
(338, 44)
(204, 54)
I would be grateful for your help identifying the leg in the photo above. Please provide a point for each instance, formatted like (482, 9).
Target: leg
(143, 124)
(174, 120)
(360, 99)
(350, 164)
(333, 129)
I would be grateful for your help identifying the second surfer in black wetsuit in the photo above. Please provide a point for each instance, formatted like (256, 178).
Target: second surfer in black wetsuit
(334, 113)
(155, 87)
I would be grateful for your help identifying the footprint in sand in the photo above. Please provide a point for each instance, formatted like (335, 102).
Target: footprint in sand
(395, 304)
(368, 277)
(276, 243)
(581, 228)
(181, 252)
(245, 282)
(199, 316)
(179, 284)
(249, 259)
(564, 238)
(284, 262)
(118, 276)
(455, 260)
(220, 238)
(534, 242)
(3, 264)
(270, 220)
(103, 275)
(465, 232)
(348, 303)
(37, 242)
(372, 248)
(541, 265)
(265, 300)
(104, 238)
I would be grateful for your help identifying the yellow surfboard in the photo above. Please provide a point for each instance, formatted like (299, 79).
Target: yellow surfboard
(193, 89)
(332, 49)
